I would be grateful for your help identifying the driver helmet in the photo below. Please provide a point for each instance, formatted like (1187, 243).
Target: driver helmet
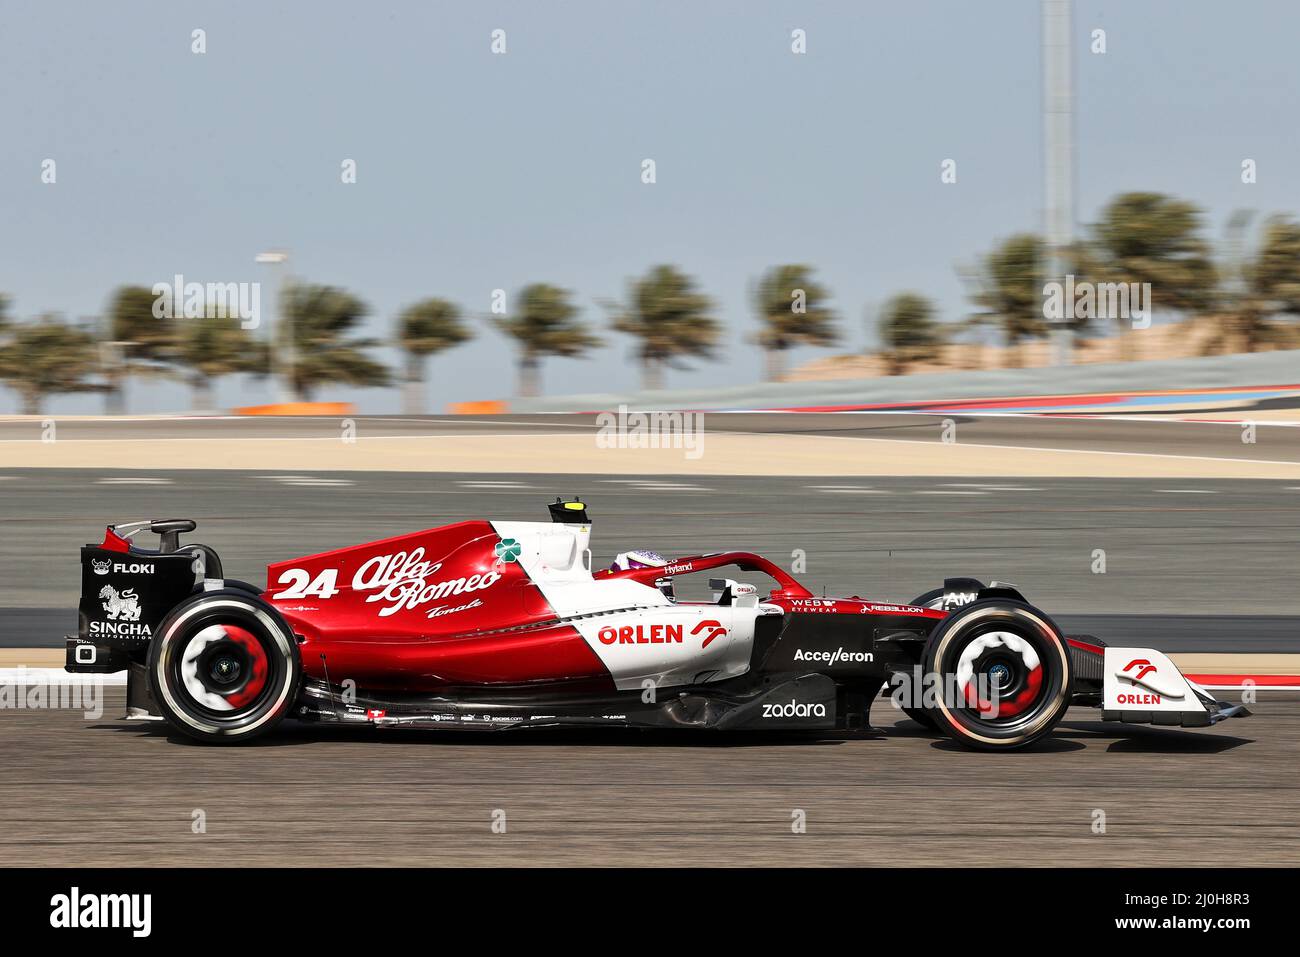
(644, 558)
(638, 558)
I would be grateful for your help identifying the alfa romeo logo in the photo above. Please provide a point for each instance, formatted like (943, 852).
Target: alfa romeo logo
(508, 550)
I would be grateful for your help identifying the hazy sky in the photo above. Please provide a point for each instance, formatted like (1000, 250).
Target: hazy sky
(478, 171)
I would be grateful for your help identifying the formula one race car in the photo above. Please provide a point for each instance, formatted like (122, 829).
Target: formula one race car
(503, 625)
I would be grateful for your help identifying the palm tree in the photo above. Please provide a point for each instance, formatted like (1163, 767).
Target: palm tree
(670, 318)
(1153, 238)
(1260, 288)
(1007, 289)
(908, 329)
(791, 306)
(1275, 272)
(47, 357)
(316, 322)
(424, 329)
(546, 325)
(137, 343)
(216, 347)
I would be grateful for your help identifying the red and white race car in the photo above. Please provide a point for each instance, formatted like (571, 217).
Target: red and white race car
(505, 625)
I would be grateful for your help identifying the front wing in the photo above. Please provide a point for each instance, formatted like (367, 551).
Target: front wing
(1142, 686)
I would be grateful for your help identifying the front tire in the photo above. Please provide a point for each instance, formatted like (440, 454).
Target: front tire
(224, 668)
(1005, 675)
(922, 717)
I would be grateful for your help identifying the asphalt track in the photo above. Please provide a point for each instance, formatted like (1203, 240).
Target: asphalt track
(1192, 565)
(1131, 434)
(1221, 554)
(105, 792)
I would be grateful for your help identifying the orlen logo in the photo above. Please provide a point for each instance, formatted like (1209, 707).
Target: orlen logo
(1144, 673)
(716, 630)
(795, 709)
(1144, 668)
(1143, 698)
(641, 635)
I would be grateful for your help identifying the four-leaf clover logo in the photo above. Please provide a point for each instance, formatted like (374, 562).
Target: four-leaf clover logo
(508, 550)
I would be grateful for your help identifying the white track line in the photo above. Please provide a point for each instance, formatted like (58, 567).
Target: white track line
(1007, 488)
(535, 425)
(668, 487)
(286, 438)
(848, 489)
(1077, 413)
(18, 677)
(310, 481)
(1187, 491)
(133, 481)
(1044, 448)
(991, 488)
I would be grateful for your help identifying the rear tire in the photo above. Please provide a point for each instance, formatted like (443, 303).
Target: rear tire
(922, 717)
(1006, 675)
(224, 667)
(930, 599)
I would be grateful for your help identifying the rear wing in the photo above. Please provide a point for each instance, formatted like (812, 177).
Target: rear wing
(127, 590)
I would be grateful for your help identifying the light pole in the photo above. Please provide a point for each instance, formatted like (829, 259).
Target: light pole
(1058, 155)
(282, 365)
(112, 359)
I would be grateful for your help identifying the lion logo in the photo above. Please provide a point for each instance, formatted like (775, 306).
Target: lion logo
(121, 607)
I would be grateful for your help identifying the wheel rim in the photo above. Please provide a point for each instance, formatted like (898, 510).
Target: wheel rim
(1012, 673)
(1014, 644)
(225, 668)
